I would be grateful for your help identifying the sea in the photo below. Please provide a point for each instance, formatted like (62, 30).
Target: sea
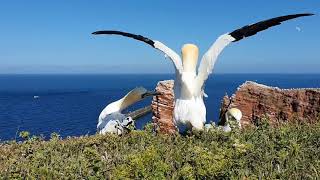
(70, 104)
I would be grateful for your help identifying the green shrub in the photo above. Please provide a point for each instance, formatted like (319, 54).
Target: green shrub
(24, 134)
(290, 151)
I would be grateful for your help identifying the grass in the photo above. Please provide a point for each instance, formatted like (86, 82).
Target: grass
(290, 151)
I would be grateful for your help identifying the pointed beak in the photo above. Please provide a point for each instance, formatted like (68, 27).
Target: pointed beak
(150, 93)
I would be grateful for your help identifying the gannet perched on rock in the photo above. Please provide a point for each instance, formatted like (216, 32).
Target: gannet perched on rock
(189, 110)
(111, 120)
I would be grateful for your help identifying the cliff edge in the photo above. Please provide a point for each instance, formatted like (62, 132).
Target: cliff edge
(279, 105)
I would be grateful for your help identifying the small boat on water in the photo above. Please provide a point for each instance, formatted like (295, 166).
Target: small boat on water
(36, 97)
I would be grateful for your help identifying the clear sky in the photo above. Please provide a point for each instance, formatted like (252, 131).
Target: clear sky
(55, 36)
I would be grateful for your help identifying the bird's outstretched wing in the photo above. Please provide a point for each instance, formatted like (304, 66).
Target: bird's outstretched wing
(209, 58)
(253, 29)
(155, 44)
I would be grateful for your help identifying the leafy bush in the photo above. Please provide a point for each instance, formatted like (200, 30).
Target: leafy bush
(290, 151)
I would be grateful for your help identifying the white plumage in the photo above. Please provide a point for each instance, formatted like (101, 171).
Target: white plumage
(189, 110)
(111, 120)
(233, 118)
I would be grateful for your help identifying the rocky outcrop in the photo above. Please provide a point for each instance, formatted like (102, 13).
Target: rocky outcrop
(254, 100)
(162, 107)
(279, 105)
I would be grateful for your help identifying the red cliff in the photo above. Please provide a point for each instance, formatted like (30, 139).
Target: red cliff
(279, 105)
(254, 100)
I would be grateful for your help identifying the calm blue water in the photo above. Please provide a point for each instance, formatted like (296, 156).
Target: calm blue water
(71, 104)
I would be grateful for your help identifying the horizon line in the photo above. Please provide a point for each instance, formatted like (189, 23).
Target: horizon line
(272, 73)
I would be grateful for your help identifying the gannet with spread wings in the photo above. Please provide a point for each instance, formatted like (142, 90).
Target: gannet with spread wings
(189, 110)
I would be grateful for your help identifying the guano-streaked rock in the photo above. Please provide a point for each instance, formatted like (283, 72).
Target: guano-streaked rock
(162, 107)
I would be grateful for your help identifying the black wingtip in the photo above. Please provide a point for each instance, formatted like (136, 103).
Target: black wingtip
(253, 29)
(309, 14)
(130, 35)
(303, 14)
(98, 32)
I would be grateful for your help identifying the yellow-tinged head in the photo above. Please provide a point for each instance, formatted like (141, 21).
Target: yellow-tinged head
(136, 95)
(236, 113)
(190, 53)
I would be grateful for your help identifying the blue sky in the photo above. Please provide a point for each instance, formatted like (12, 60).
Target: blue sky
(55, 36)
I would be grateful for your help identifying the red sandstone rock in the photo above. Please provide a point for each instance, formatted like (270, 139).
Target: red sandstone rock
(162, 107)
(280, 105)
(253, 99)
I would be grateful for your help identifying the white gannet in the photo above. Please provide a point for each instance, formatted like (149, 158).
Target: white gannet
(232, 118)
(111, 120)
(189, 110)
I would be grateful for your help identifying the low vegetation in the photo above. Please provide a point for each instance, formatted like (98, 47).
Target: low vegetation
(290, 151)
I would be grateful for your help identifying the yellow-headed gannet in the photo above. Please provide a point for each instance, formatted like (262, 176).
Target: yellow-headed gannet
(111, 120)
(233, 117)
(189, 110)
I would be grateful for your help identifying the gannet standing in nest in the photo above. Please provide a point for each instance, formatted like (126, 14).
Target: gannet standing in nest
(189, 110)
(111, 120)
